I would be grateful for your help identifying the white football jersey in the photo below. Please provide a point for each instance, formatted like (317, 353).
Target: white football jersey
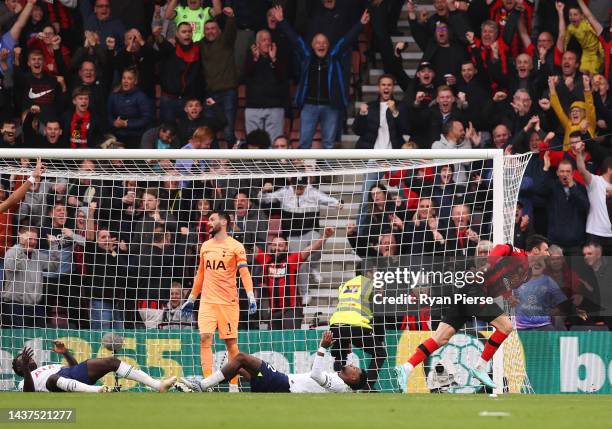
(304, 383)
(41, 375)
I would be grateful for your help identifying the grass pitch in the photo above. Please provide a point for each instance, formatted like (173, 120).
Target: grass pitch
(287, 411)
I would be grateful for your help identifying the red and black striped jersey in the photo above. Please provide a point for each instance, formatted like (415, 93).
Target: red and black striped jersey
(280, 279)
(505, 263)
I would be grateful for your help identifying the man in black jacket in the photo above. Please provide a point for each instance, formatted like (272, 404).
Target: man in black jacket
(428, 121)
(180, 72)
(372, 132)
(568, 207)
(107, 275)
(267, 87)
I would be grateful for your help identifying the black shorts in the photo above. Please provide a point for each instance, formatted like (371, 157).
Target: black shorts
(457, 315)
(269, 380)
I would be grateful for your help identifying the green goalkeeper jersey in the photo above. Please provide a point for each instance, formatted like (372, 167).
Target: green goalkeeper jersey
(197, 18)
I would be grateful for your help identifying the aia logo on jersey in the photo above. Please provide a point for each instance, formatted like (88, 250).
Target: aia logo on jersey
(215, 265)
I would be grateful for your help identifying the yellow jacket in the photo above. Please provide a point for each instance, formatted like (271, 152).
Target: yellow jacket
(568, 127)
(592, 51)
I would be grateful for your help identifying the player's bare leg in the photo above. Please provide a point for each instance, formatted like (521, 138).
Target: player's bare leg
(98, 368)
(440, 338)
(503, 328)
(206, 354)
(231, 345)
(242, 364)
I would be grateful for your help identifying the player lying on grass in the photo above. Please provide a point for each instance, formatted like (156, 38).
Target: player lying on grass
(77, 377)
(265, 379)
(506, 269)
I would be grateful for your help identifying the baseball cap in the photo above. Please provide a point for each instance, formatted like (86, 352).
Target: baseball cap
(300, 181)
(424, 65)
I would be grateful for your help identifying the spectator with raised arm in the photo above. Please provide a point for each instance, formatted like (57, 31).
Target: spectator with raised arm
(139, 55)
(97, 17)
(192, 13)
(218, 63)
(428, 121)
(599, 189)
(267, 86)
(568, 206)
(279, 284)
(604, 35)
(180, 71)
(301, 204)
(322, 90)
(547, 53)
(582, 114)
(581, 29)
(197, 115)
(56, 56)
(381, 124)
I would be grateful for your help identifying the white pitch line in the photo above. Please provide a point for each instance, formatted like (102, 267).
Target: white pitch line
(493, 414)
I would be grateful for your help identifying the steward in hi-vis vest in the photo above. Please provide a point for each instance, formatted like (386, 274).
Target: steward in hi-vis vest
(351, 325)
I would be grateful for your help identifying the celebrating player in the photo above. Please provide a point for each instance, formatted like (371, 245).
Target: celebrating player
(77, 377)
(19, 194)
(220, 258)
(265, 379)
(506, 268)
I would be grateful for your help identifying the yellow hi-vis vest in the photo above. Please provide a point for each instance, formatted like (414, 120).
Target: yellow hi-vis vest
(354, 303)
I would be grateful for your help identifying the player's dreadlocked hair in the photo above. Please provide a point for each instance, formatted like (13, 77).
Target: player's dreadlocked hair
(16, 368)
(363, 381)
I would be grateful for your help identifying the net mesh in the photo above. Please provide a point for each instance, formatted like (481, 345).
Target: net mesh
(111, 246)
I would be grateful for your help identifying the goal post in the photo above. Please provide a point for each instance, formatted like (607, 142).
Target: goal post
(118, 234)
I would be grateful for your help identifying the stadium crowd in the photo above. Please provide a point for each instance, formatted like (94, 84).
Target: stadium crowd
(262, 74)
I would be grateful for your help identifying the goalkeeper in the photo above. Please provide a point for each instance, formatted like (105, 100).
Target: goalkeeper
(220, 258)
(77, 377)
(265, 379)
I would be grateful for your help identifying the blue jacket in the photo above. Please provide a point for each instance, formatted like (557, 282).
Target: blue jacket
(111, 27)
(335, 76)
(567, 215)
(134, 106)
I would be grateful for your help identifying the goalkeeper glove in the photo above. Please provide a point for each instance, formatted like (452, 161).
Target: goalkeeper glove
(252, 303)
(187, 307)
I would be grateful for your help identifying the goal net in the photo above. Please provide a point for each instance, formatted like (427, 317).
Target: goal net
(103, 252)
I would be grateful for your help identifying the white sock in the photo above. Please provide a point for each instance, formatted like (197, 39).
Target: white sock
(69, 385)
(131, 373)
(212, 380)
(408, 367)
(481, 365)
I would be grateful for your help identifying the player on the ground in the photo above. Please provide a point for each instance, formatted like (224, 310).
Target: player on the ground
(19, 194)
(220, 258)
(507, 268)
(77, 377)
(265, 379)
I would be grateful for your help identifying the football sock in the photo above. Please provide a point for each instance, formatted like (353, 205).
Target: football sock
(206, 355)
(232, 351)
(491, 346)
(131, 373)
(423, 351)
(211, 381)
(70, 385)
